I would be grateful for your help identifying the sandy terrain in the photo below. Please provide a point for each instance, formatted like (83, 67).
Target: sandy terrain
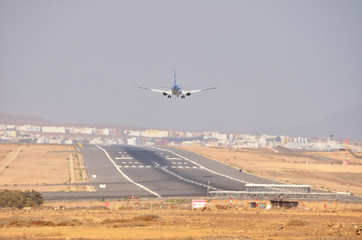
(173, 219)
(5, 149)
(179, 222)
(292, 169)
(32, 166)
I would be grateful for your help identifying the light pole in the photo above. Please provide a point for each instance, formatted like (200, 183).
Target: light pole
(208, 185)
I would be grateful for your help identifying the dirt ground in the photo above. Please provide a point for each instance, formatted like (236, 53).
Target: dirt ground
(32, 166)
(178, 221)
(293, 168)
(173, 218)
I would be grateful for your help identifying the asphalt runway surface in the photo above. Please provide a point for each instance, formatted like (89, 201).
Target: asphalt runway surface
(122, 171)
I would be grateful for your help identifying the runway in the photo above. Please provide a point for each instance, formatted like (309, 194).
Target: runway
(120, 171)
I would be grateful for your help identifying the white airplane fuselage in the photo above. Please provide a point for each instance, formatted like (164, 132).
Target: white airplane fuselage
(176, 90)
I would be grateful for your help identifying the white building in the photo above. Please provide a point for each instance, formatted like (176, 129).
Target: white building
(106, 131)
(88, 131)
(53, 129)
(68, 141)
(96, 141)
(41, 140)
(216, 135)
(29, 128)
(132, 133)
(155, 134)
(132, 141)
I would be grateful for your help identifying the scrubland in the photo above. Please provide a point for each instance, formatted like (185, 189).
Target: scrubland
(293, 167)
(174, 219)
(84, 220)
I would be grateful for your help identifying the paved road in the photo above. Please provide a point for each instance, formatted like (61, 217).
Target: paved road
(154, 172)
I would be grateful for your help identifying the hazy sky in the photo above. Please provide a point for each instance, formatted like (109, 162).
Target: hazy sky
(276, 63)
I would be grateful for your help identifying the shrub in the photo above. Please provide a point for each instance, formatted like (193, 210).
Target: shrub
(19, 199)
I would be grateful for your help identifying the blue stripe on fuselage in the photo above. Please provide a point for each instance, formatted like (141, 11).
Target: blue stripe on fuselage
(176, 90)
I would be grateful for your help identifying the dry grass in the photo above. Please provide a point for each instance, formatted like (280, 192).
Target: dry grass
(292, 168)
(212, 223)
(5, 149)
(37, 165)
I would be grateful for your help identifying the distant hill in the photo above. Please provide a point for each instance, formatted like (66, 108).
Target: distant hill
(22, 119)
(346, 123)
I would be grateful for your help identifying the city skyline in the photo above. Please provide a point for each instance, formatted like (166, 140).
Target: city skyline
(70, 135)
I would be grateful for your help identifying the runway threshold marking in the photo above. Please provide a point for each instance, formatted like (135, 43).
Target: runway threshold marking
(202, 167)
(125, 176)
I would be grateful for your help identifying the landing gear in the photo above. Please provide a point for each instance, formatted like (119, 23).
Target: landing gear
(183, 97)
(169, 96)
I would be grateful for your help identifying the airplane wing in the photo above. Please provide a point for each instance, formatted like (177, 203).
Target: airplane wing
(188, 92)
(164, 92)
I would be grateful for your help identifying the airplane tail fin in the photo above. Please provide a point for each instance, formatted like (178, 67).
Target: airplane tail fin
(174, 77)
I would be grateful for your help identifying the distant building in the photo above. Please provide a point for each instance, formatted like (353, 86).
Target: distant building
(88, 131)
(11, 133)
(29, 128)
(155, 134)
(132, 141)
(96, 141)
(105, 131)
(68, 141)
(53, 129)
(132, 133)
(215, 135)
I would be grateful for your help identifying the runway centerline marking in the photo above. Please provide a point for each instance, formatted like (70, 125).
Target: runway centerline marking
(125, 176)
(185, 179)
(124, 158)
(202, 167)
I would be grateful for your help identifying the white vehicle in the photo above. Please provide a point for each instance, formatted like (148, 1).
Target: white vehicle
(176, 89)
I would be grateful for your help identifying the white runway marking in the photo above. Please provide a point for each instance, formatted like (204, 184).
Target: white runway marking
(124, 158)
(124, 175)
(185, 179)
(158, 166)
(172, 158)
(201, 167)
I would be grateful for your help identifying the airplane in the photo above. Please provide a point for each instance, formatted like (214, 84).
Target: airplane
(176, 89)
